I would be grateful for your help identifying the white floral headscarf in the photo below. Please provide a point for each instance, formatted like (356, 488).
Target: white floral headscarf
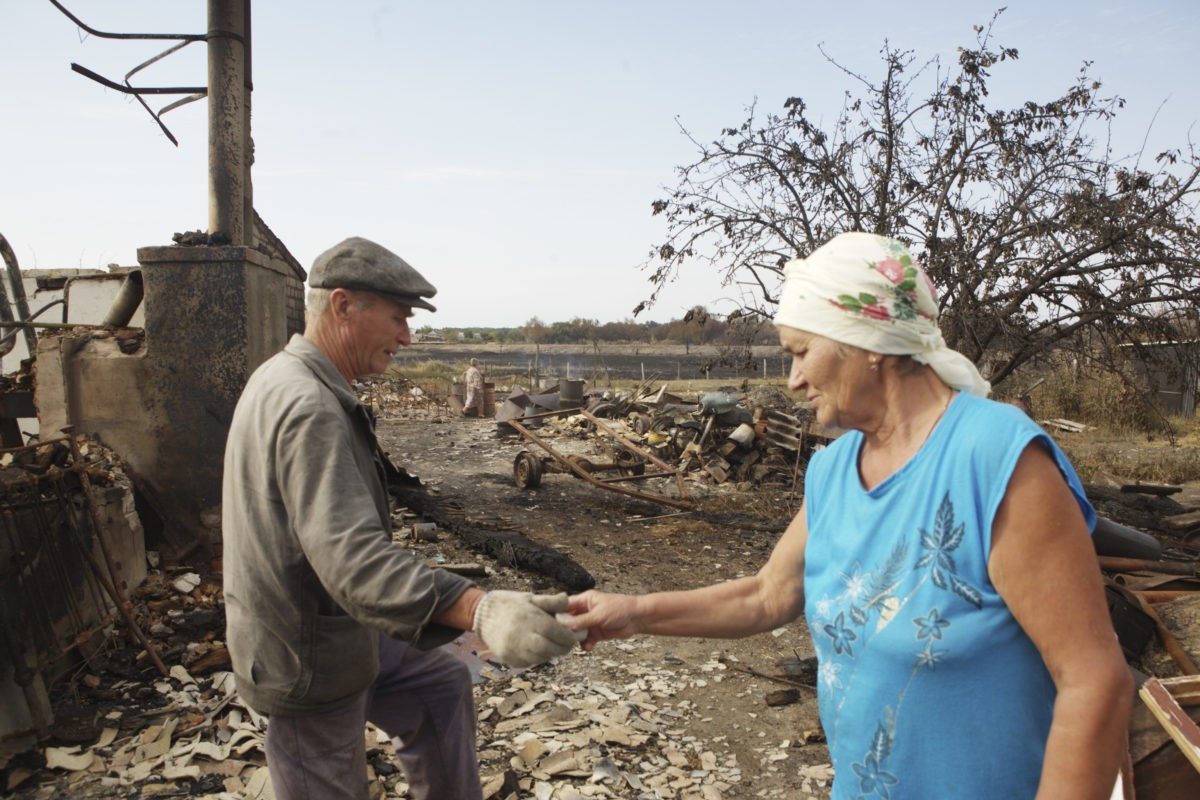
(865, 290)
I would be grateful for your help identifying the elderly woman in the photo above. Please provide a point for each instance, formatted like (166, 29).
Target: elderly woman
(941, 558)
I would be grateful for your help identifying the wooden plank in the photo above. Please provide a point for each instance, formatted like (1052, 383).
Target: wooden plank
(1184, 732)
(1069, 425)
(1185, 689)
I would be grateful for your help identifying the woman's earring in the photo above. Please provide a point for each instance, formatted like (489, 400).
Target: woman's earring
(874, 366)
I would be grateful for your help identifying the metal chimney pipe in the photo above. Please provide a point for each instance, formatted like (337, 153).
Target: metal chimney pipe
(228, 121)
(126, 303)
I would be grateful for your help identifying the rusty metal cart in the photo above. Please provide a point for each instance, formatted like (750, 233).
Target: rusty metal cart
(630, 463)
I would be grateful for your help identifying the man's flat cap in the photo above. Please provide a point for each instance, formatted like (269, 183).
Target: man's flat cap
(363, 265)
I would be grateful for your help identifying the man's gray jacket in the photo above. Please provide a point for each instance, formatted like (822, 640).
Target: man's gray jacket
(311, 572)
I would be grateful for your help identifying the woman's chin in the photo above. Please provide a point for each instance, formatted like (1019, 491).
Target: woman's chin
(826, 418)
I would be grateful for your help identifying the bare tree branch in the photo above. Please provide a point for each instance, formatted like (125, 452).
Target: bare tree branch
(1038, 236)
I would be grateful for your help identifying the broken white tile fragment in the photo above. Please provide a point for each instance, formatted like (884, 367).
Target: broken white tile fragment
(68, 758)
(186, 582)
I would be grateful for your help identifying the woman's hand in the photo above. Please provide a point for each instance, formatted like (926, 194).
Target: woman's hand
(726, 610)
(602, 615)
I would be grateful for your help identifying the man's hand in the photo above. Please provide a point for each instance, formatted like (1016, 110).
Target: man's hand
(520, 627)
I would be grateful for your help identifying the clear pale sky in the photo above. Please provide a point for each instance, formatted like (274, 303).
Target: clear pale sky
(510, 151)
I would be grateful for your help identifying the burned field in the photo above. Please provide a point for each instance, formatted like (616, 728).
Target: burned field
(647, 717)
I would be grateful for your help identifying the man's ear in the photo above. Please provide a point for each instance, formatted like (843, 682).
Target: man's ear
(340, 303)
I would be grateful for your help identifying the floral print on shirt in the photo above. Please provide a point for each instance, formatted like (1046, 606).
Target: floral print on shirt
(845, 623)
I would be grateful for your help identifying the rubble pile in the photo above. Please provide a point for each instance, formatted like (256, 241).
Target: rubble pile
(393, 396)
(743, 438)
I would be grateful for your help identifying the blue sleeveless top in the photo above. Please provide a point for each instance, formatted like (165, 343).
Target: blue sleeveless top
(928, 688)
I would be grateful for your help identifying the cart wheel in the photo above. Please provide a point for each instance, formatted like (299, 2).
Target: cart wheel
(641, 422)
(527, 470)
(631, 463)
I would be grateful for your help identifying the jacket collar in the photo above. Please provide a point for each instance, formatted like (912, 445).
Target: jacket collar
(323, 368)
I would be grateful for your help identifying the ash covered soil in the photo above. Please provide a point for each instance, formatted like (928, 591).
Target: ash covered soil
(703, 726)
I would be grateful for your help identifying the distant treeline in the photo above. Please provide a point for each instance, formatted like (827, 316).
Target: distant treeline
(695, 327)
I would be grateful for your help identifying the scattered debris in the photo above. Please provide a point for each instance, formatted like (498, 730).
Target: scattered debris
(550, 734)
(1067, 425)
(721, 437)
(629, 464)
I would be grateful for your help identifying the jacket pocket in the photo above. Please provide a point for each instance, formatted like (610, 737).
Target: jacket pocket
(344, 659)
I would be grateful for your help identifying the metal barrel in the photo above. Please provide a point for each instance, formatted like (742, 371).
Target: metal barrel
(570, 393)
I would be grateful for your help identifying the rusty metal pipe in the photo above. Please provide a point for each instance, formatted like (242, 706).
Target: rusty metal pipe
(108, 35)
(28, 325)
(1115, 564)
(18, 296)
(126, 303)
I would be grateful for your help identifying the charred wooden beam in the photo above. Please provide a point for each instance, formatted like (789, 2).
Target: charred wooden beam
(508, 547)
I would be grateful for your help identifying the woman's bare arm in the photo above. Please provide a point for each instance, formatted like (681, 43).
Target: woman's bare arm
(1045, 568)
(766, 600)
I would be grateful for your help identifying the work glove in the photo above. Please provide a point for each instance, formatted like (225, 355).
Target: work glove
(520, 628)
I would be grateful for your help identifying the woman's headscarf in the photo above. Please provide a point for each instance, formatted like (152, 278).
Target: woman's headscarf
(865, 290)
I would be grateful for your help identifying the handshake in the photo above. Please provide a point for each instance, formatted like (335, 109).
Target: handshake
(521, 628)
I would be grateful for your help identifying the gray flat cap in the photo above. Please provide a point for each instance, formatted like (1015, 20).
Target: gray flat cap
(363, 265)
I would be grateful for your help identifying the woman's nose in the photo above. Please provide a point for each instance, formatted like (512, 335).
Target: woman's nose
(796, 376)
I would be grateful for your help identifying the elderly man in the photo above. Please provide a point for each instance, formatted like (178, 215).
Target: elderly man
(330, 624)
